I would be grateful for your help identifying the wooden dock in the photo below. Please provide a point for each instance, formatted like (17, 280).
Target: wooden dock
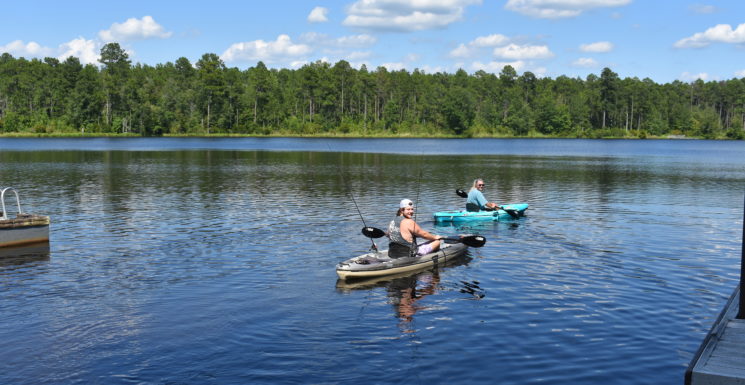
(720, 360)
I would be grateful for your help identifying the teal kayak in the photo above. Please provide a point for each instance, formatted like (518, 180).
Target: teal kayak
(517, 210)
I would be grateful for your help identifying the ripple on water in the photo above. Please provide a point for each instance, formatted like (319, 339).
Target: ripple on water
(217, 266)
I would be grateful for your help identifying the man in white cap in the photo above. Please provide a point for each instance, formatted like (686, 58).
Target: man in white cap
(403, 231)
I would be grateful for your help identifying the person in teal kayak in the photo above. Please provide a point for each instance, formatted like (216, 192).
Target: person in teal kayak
(476, 199)
(403, 232)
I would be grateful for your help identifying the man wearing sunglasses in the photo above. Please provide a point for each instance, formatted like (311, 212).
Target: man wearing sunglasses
(476, 199)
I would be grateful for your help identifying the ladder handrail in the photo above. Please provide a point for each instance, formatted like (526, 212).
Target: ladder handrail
(2, 200)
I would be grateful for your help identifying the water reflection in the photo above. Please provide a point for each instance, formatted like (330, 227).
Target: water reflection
(405, 291)
(479, 227)
(169, 265)
(11, 257)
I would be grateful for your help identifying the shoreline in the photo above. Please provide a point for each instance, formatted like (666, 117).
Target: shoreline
(341, 136)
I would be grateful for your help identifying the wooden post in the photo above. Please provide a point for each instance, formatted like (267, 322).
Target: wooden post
(741, 310)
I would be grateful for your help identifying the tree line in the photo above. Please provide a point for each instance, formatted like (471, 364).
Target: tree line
(50, 96)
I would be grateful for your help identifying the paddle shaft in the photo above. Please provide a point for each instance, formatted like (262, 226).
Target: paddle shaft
(468, 240)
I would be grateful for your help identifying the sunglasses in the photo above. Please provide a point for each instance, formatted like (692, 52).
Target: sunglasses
(480, 185)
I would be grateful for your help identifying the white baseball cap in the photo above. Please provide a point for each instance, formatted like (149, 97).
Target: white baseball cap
(405, 203)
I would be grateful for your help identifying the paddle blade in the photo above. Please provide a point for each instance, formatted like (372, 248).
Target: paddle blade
(461, 193)
(512, 212)
(373, 232)
(473, 240)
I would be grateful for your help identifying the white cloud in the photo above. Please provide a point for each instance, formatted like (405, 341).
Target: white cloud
(356, 41)
(703, 8)
(689, 77)
(397, 66)
(497, 66)
(30, 49)
(474, 46)
(298, 63)
(521, 52)
(721, 33)
(557, 9)
(461, 51)
(427, 69)
(359, 55)
(318, 15)
(351, 41)
(85, 50)
(740, 73)
(412, 57)
(490, 41)
(600, 46)
(278, 51)
(134, 29)
(585, 62)
(405, 15)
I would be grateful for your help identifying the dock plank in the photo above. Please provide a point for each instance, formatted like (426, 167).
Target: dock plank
(722, 356)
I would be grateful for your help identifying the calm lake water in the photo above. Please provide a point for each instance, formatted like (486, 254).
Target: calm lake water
(211, 261)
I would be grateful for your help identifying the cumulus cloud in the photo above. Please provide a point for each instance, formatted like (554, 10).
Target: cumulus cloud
(85, 50)
(30, 49)
(351, 41)
(522, 52)
(598, 47)
(585, 62)
(134, 29)
(318, 15)
(356, 41)
(359, 55)
(405, 15)
(461, 51)
(428, 69)
(721, 33)
(740, 73)
(689, 77)
(490, 41)
(497, 66)
(557, 9)
(474, 46)
(394, 66)
(279, 51)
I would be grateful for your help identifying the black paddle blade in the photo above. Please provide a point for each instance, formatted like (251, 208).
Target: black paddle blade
(473, 240)
(461, 193)
(373, 232)
(513, 213)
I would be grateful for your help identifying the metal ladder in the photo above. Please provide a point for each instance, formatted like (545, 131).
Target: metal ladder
(3, 212)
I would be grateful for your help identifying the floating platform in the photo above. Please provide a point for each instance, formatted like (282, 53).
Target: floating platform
(25, 228)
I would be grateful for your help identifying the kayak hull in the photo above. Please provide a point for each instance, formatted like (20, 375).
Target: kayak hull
(497, 215)
(377, 263)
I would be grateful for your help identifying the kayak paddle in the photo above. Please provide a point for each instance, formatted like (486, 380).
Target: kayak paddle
(468, 240)
(373, 232)
(513, 213)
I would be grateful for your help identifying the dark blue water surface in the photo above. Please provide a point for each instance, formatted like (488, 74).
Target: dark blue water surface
(211, 261)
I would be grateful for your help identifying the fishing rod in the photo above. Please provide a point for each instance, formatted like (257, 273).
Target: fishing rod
(418, 188)
(374, 247)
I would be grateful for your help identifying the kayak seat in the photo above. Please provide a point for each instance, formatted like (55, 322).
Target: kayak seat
(472, 207)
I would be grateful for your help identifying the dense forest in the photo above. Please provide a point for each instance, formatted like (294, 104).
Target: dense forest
(50, 96)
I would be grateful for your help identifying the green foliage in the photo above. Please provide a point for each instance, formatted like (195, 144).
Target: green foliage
(182, 98)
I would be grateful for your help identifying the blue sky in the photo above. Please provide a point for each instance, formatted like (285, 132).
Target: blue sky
(663, 40)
